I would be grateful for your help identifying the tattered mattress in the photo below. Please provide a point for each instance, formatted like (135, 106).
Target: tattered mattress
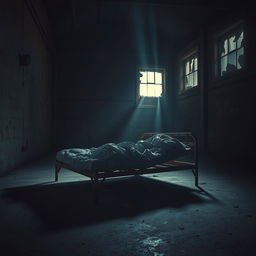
(157, 149)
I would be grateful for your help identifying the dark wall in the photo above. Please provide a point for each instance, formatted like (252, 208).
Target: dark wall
(188, 103)
(221, 111)
(25, 92)
(188, 113)
(231, 100)
(99, 48)
(95, 95)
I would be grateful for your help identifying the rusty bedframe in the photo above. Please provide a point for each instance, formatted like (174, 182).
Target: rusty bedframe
(174, 165)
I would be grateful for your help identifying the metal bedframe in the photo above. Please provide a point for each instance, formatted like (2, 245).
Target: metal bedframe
(99, 176)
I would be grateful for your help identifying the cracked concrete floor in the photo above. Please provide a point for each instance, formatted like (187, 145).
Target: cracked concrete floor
(155, 215)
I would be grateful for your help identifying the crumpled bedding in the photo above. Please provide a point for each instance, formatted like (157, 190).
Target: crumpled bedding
(157, 149)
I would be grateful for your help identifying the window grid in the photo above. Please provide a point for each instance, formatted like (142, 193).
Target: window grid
(220, 58)
(192, 63)
(156, 91)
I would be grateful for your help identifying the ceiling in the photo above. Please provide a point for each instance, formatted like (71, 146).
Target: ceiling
(179, 19)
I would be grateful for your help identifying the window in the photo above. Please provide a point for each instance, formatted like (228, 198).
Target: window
(230, 52)
(151, 82)
(190, 72)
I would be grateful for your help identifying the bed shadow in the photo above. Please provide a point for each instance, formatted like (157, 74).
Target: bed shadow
(66, 205)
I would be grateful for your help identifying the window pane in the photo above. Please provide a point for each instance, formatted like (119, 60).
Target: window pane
(186, 81)
(151, 77)
(240, 58)
(158, 90)
(151, 83)
(195, 78)
(231, 62)
(143, 90)
(151, 90)
(230, 46)
(190, 80)
(223, 65)
(232, 43)
(192, 65)
(143, 79)
(187, 68)
(196, 64)
(240, 40)
(158, 77)
(223, 48)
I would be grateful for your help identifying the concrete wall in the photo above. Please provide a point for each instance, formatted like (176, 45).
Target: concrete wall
(25, 91)
(188, 113)
(96, 87)
(187, 103)
(221, 111)
(231, 100)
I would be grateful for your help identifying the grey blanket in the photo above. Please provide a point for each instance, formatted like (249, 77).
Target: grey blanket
(125, 155)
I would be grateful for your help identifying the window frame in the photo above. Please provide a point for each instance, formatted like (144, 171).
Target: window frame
(150, 102)
(225, 34)
(184, 59)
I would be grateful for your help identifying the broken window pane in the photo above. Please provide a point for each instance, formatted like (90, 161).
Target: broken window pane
(190, 76)
(240, 58)
(195, 78)
(186, 81)
(231, 52)
(223, 64)
(143, 78)
(151, 78)
(231, 61)
(196, 64)
(223, 48)
(158, 77)
(240, 40)
(151, 83)
(187, 68)
(192, 65)
(190, 79)
(232, 43)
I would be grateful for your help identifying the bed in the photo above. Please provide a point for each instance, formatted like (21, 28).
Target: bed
(153, 153)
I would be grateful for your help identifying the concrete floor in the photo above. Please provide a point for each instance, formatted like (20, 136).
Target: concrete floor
(156, 215)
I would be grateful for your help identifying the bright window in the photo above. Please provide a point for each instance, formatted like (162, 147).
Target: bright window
(190, 67)
(151, 83)
(230, 52)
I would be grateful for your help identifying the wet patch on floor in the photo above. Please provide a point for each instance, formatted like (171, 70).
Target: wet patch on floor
(154, 245)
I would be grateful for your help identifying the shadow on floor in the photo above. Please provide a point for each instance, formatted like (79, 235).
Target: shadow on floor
(67, 205)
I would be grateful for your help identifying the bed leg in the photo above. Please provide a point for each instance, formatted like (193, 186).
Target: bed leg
(196, 176)
(57, 170)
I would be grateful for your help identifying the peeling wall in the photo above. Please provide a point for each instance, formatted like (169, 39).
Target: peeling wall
(25, 91)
